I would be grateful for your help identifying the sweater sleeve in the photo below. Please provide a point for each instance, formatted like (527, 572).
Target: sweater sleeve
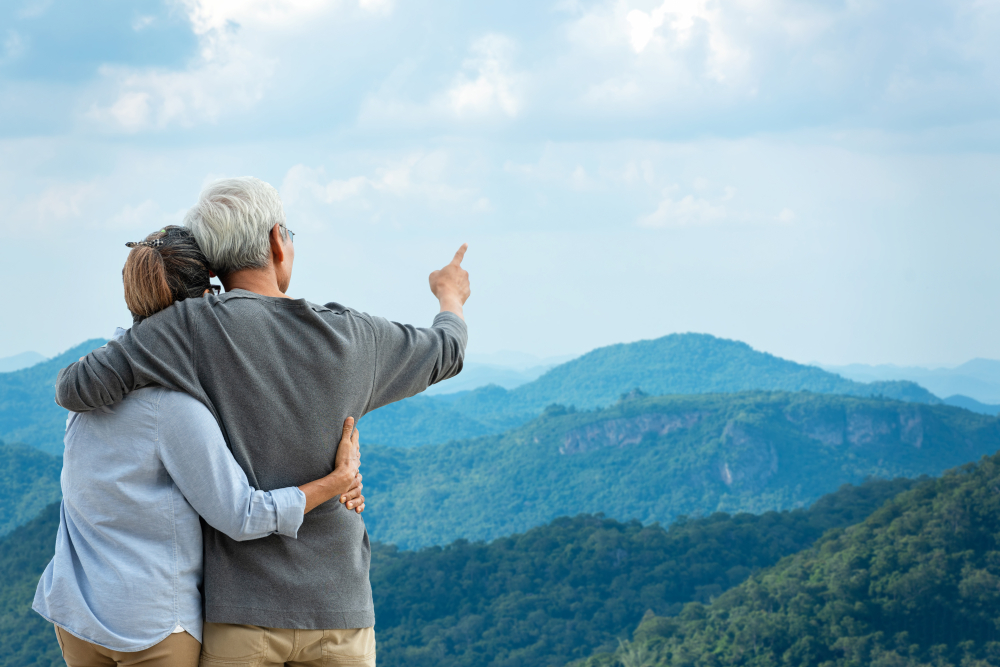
(157, 351)
(410, 359)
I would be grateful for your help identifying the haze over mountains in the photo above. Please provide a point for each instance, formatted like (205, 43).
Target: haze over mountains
(505, 369)
(978, 379)
(19, 361)
(28, 412)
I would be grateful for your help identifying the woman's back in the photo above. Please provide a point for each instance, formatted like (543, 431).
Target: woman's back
(128, 560)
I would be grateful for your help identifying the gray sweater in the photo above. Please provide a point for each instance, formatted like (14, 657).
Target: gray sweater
(280, 375)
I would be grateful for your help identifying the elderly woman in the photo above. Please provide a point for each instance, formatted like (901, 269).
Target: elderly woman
(124, 586)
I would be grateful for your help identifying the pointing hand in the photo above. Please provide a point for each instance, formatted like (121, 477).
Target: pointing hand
(451, 284)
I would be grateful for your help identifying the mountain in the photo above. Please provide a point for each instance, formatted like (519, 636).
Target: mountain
(475, 375)
(978, 379)
(26, 639)
(657, 458)
(541, 598)
(29, 481)
(558, 591)
(28, 412)
(19, 361)
(674, 364)
(972, 405)
(915, 584)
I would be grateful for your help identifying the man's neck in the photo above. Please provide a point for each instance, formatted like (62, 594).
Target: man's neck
(259, 281)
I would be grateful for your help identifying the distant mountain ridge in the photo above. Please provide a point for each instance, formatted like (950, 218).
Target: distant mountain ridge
(19, 361)
(671, 365)
(978, 379)
(674, 364)
(659, 458)
(28, 412)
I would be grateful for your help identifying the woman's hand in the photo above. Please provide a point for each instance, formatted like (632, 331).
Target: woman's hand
(345, 480)
(353, 498)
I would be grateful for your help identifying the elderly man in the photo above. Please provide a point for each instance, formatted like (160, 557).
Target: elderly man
(280, 375)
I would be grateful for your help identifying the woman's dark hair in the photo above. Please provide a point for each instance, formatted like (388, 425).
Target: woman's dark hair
(167, 266)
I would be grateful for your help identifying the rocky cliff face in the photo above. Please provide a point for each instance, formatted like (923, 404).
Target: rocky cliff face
(748, 460)
(746, 457)
(861, 426)
(624, 432)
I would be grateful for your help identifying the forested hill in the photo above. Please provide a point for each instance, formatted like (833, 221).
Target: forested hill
(916, 584)
(674, 364)
(655, 458)
(542, 598)
(29, 481)
(28, 412)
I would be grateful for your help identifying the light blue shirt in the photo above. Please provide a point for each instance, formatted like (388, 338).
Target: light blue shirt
(127, 570)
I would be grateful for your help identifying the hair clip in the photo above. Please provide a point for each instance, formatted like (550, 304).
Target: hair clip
(149, 244)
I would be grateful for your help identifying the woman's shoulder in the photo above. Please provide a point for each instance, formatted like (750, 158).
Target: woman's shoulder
(173, 401)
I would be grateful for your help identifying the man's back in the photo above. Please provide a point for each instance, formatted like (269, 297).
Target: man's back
(281, 375)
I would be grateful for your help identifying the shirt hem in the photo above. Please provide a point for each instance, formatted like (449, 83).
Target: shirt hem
(293, 620)
(111, 647)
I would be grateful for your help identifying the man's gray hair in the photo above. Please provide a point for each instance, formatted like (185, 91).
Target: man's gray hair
(232, 222)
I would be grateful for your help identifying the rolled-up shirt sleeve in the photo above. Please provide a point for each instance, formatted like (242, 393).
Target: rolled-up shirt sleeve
(195, 454)
(409, 359)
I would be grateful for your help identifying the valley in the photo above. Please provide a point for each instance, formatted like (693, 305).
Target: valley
(658, 493)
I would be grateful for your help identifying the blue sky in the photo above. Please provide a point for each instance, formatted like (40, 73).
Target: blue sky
(815, 178)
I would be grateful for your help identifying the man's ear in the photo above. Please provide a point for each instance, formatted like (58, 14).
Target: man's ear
(277, 247)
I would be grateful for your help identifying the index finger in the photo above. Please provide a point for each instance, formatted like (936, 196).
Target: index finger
(460, 255)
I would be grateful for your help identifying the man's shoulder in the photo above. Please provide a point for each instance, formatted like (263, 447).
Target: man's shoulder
(340, 310)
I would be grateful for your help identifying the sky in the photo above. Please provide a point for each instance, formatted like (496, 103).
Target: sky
(818, 179)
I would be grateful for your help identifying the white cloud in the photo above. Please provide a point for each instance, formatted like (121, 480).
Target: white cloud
(62, 201)
(209, 15)
(680, 17)
(486, 88)
(13, 46)
(236, 61)
(422, 176)
(226, 78)
(34, 9)
(144, 218)
(142, 22)
(376, 6)
(688, 210)
(492, 85)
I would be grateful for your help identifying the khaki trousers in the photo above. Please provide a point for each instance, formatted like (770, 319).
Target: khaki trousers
(179, 650)
(253, 646)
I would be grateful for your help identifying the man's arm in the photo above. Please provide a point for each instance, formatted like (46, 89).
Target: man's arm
(409, 359)
(155, 351)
